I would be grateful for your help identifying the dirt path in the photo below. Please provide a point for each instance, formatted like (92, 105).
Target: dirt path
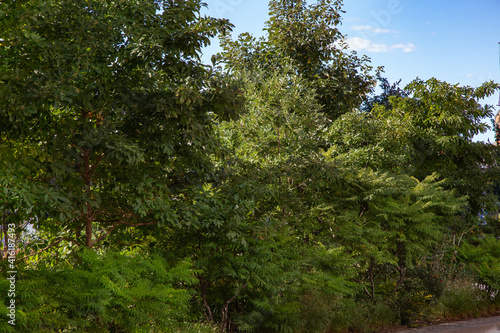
(482, 325)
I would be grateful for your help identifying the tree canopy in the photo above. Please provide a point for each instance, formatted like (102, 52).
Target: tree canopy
(272, 191)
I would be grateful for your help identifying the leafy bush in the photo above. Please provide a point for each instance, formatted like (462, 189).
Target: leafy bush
(353, 316)
(101, 293)
(462, 299)
(482, 259)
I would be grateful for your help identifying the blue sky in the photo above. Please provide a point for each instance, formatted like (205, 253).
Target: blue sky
(453, 40)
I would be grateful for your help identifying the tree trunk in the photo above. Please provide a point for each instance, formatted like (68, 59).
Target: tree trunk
(372, 280)
(400, 254)
(88, 215)
(206, 307)
(225, 310)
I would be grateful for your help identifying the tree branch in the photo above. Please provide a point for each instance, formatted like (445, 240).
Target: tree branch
(48, 247)
(106, 233)
(364, 287)
(206, 307)
(96, 163)
(225, 308)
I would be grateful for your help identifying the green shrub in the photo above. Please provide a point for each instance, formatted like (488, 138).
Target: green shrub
(102, 293)
(317, 312)
(462, 299)
(353, 316)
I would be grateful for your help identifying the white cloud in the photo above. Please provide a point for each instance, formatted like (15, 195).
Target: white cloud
(357, 44)
(408, 47)
(371, 29)
(470, 76)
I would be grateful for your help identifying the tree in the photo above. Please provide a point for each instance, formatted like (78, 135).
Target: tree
(429, 131)
(113, 109)
(445, 119)
(426, 129)
(307, 38)
(250, 234)
(106, 121)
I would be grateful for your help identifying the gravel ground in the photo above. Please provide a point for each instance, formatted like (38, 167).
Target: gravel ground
(482, 325)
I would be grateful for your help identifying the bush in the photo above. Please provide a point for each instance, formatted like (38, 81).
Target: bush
(354, 316)
(102, 293)
(462, 299)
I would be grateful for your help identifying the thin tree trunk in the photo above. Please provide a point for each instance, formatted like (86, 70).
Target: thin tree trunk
(400, 253)
(88, 232)
(372, 280)
(88, 216)
(225, 309)
(206, 307)
(402, 275)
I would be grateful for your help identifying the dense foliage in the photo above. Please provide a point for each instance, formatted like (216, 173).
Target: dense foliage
(143, 191)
